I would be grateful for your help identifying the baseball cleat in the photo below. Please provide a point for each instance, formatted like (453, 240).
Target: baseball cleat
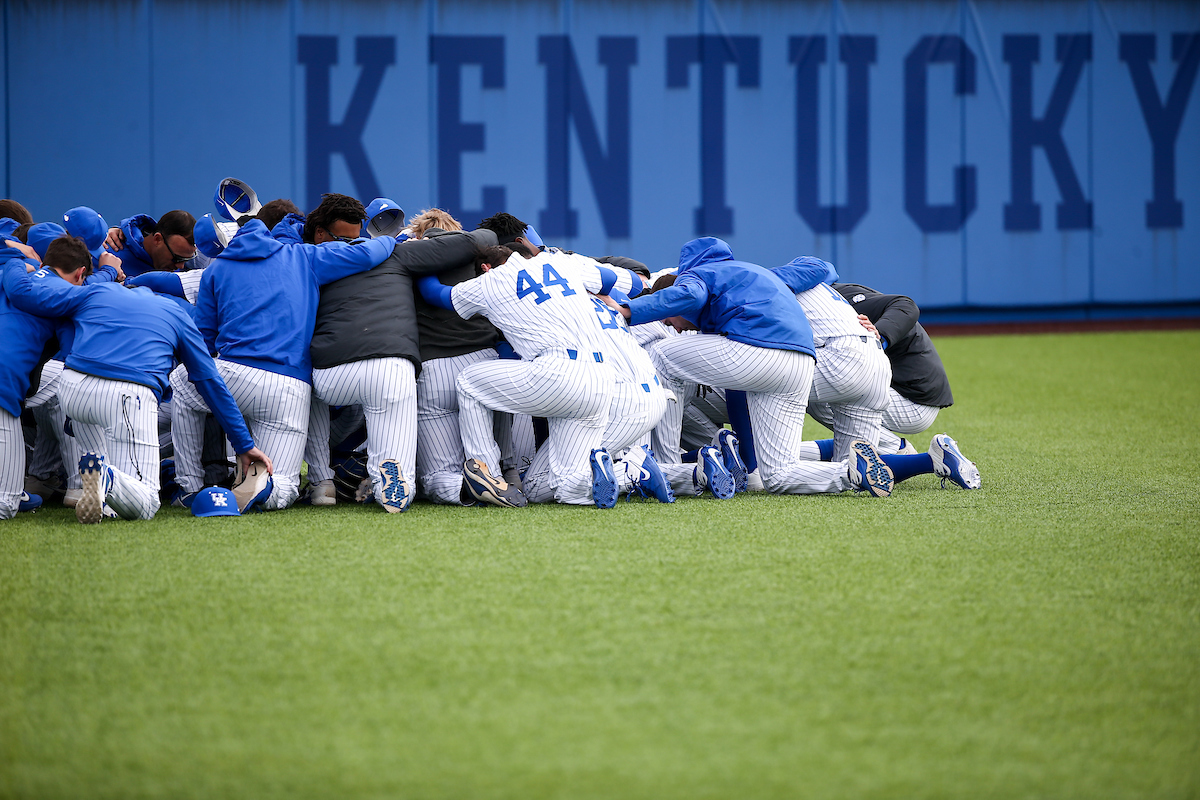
(29, 502)
(322, 493)
(97, 482)
(906, 448)
(396, 495)
(183, 499)
(464, 495)
(71, 497)
(253, 488)
(604, 479)
(867, 471)
(950, 464)
(646, 476)
(728, 442)
(716, 477)
(754, 482)
(485, 489)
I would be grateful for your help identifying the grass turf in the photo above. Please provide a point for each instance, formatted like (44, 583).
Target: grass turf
(1037, 638)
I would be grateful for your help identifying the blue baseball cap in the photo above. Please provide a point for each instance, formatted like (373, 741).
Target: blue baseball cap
(384, 218)
(41, 235)
(215, 502)
(235, 199)
(87, 224)
(212, 235)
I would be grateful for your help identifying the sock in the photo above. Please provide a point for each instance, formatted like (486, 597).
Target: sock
(690, 456)
(905, 467)
(738, 408)
(826, 446)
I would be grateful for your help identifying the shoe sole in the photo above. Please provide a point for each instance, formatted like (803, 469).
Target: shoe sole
(484, 491)
(877, 478)
(604, 482)
(734, 464)
(90, 508)
(720, 482)
(395, 496)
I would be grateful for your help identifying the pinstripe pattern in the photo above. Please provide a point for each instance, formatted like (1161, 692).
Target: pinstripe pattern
(276, 411)
(12, 464)
(190, 279)
(386, 389)
(850, 385)
(316, 444)
(53, 449)
(439, 443)
(573, 394)
(777, 383)
(119, 421)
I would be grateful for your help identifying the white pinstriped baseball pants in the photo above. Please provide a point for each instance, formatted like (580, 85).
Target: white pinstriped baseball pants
(53, 446)
(386, 389)
(573, 394)
(439, 442)
(12, 464)
(634, 411)
(276, 411)
(777, 384)
(119, 421)
(850, 391)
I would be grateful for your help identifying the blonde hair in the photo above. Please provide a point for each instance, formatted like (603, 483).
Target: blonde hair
(433, 218)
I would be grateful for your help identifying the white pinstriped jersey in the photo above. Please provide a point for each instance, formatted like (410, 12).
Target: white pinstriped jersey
(829, 314)
(541, 304)
(190, 279)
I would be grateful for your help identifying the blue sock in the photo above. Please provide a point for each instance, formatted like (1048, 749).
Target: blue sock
(690, 456)
(905, 467)
(826, 446)
(738, 408)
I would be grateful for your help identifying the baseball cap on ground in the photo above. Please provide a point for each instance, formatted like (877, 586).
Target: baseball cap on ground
(235, 199)
(215, 502)
(88, 225)
(213, 235)
(41, 235)
(384, 218)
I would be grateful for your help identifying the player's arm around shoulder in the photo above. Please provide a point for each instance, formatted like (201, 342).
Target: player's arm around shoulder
(333, 261)
(42, 291)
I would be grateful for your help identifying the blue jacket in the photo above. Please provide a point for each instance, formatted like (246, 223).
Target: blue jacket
(134, 258)
(24, 336)
(290, 229)
(806, 272)
(129, 335)
(742, 301)
(257, 302)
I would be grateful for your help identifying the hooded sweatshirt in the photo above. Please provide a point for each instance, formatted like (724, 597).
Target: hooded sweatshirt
(257, 301)
(719, 295)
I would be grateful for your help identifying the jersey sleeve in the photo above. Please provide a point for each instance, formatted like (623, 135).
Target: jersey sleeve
(206, 311)
(42, 293)
(469, 297)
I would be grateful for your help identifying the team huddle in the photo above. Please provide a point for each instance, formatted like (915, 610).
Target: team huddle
(203, 363)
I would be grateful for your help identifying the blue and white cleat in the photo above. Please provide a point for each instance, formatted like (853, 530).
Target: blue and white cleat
(716, 478)
(183, 499)
(950, 464)
(97, 480)
(29, 502)
(646, 476)
(867, 471)
(253, 488)
(396, 495)
(604, 479)
(728, 442)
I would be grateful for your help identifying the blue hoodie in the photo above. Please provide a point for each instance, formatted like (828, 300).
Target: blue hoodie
(290, 229)
(24, 336)
(129, 335)
(134, 258)
(736, 299)
(257, 303)
(806, 272)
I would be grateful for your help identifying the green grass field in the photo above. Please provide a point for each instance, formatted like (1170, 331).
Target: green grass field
(1037, 638)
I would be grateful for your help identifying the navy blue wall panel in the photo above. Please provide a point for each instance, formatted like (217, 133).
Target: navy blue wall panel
(973, 154)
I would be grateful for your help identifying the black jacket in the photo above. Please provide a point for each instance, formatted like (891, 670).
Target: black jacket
(444, 333)
(917, 371)
(373, 314)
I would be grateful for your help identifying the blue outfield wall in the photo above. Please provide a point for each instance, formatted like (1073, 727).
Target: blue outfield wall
(978, 156)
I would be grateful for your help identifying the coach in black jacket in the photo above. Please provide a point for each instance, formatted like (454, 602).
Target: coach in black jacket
(920, 387)
(366, 350)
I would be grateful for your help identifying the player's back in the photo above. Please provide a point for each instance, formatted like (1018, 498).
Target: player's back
(829, 314)
(540, 306)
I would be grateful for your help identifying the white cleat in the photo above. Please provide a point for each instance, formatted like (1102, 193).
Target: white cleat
(951, 465)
